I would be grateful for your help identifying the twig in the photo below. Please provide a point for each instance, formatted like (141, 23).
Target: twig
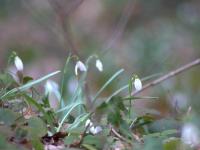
(167, 76)
(118, 135)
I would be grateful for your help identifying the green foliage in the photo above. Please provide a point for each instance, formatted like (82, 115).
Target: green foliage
(7, 116)
(112, 121)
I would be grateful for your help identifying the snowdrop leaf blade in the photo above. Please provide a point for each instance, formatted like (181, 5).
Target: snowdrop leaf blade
(78, 121)
(107, 83)
(68, 111)
(63, 86)
(28, 85)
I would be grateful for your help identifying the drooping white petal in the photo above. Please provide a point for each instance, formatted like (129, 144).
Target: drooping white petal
(18, 63)
(138, 84)
(52, 89)
(80, 65)
(72, 85)
(190, 135)
(98, 129)
(99, 65)
(95, 130)
(88, 123)
(51, 86)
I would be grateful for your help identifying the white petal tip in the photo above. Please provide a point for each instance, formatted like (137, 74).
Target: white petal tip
(80, 66)
(99, 65)
(18, 64)
(138, 84)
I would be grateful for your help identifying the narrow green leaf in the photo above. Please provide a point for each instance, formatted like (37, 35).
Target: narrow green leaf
(79, 121)
(64, 78)
(116, 92)
(145, 97)
(151, 76)
(162, 134)
(68, 110)
(127, 85)
(28, 85)
(107, 83)
(169, 132)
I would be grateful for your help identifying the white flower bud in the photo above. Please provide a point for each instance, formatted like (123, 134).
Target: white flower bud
(138, 84)
(80, 65)
(18, 64)
(99, 65)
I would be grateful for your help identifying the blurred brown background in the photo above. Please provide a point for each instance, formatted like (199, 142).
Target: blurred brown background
(144, 37)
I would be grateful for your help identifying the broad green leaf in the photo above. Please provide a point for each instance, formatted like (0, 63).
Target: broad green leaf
(21, 133)
(112, 110)
(96, 141)
(152, 143)
(36, 127)
(171, 143)
(4, 145)
(71, 139)
(47, 117)
(7, 116)
(37, 144)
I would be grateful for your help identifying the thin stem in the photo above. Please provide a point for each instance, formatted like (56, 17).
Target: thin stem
(169, 75)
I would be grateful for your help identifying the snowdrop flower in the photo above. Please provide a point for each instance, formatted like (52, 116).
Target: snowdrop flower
(99, 65)
(80, 65)
(95, 130)
(92, 129)
(88, 123)
(18, 63)
(72, 85)
(51, 86)
(52, 89)
(138, 84)
(190, 135)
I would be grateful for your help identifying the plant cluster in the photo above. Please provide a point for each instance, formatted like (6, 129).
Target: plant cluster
(56, 120)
